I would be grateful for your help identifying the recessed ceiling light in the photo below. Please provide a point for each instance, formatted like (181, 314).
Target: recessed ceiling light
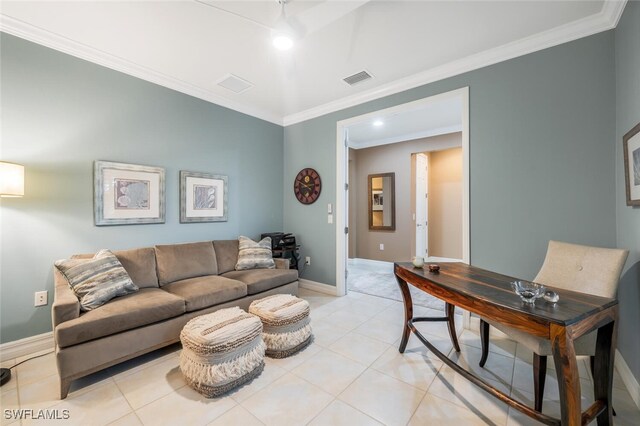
(282, 42)
(378, 123)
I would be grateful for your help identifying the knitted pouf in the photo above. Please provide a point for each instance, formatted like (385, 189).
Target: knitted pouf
(221, 351)
(287, 327)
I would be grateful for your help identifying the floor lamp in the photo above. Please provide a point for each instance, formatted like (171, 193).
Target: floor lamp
(11, 185)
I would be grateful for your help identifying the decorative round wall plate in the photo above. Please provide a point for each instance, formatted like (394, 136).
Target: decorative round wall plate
(307, 186)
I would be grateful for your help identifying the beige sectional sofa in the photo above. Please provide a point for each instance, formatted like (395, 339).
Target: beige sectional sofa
(177, 283)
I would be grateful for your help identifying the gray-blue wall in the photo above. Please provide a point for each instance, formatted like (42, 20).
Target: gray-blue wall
(627, 40)
(543, 161)
(542, 158)
(59, 114)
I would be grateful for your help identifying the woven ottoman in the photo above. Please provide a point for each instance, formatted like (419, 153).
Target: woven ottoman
(287, 326)
(221, 351)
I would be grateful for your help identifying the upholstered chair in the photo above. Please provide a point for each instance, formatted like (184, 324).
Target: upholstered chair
(572, 267)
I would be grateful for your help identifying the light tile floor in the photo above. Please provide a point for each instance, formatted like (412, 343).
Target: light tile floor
(351, 375)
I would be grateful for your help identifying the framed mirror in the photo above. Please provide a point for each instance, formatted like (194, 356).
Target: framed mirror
(382, 201)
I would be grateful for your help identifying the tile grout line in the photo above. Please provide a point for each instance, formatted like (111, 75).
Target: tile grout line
(415, 410)
(512, 387)
(337, 397)
(236, 404)
(330, 350)
(322, 410)
(126, 399)
(298, 377)
(150, 402)
(459, 396)
(370, 367)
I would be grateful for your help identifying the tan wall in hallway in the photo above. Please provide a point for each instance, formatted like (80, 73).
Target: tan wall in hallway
(445, 203)
(396, 158)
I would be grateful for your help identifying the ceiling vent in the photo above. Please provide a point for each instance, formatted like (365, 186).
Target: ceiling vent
(358, 77)
(234, 83)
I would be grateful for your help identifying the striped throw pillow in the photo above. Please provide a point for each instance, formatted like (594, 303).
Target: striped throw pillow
(96, 281)
(252, 255)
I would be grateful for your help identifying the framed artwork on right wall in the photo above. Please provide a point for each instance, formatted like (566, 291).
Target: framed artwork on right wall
(631, 144)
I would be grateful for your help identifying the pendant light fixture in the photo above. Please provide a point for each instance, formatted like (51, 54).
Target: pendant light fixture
(283, 34)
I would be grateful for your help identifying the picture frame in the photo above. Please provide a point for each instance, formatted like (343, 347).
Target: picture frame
(128, 194)
(378, 202)
(631, 147)
(203, 197)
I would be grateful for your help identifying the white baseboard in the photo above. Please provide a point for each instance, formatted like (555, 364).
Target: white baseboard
(316, 286)
(26, 346)
(360, 261)
(628, 378)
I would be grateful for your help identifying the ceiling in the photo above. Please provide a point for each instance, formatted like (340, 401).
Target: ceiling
(429, 119)
(190, 45)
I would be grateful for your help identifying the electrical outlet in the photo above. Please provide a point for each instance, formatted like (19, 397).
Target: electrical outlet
(307, 260)
(381, 247)
(40, 298)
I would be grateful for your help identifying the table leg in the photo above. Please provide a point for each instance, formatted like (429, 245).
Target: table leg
(408, 313)
(451, 324)
(564, 357)
(603, 370)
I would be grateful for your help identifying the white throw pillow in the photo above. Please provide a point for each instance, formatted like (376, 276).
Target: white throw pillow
(96, 281)
(252, 255)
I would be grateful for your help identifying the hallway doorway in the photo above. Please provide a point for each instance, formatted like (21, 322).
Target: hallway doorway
(368, 259)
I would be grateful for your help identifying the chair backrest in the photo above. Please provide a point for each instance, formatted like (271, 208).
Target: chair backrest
(585, 269)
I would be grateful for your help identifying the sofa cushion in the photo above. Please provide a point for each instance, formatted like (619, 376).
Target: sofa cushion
(226, 255)
(180, 261)
(97, 280)
(147, 306)
(202, 292)
(140, 264)
(259, 280)
(252, 255)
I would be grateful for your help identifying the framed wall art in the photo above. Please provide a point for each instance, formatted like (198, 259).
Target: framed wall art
(128, 194)
(631, 146)
(203, 197)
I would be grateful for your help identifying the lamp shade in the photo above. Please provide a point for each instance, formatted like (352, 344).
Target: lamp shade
(11, 180)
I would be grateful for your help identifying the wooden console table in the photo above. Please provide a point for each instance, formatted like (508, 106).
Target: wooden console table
(489, 294)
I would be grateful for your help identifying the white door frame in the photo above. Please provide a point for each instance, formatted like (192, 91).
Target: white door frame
(341, 178)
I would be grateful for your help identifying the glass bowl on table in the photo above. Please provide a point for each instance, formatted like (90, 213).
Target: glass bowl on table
(528, 291)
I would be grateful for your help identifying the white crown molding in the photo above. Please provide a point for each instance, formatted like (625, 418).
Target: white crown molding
(26, 346)
(612, 11)
(407, 137)
(54, 41)
(605, 20)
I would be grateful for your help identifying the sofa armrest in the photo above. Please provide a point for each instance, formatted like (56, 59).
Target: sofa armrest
(281, 263)
(65, 305)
